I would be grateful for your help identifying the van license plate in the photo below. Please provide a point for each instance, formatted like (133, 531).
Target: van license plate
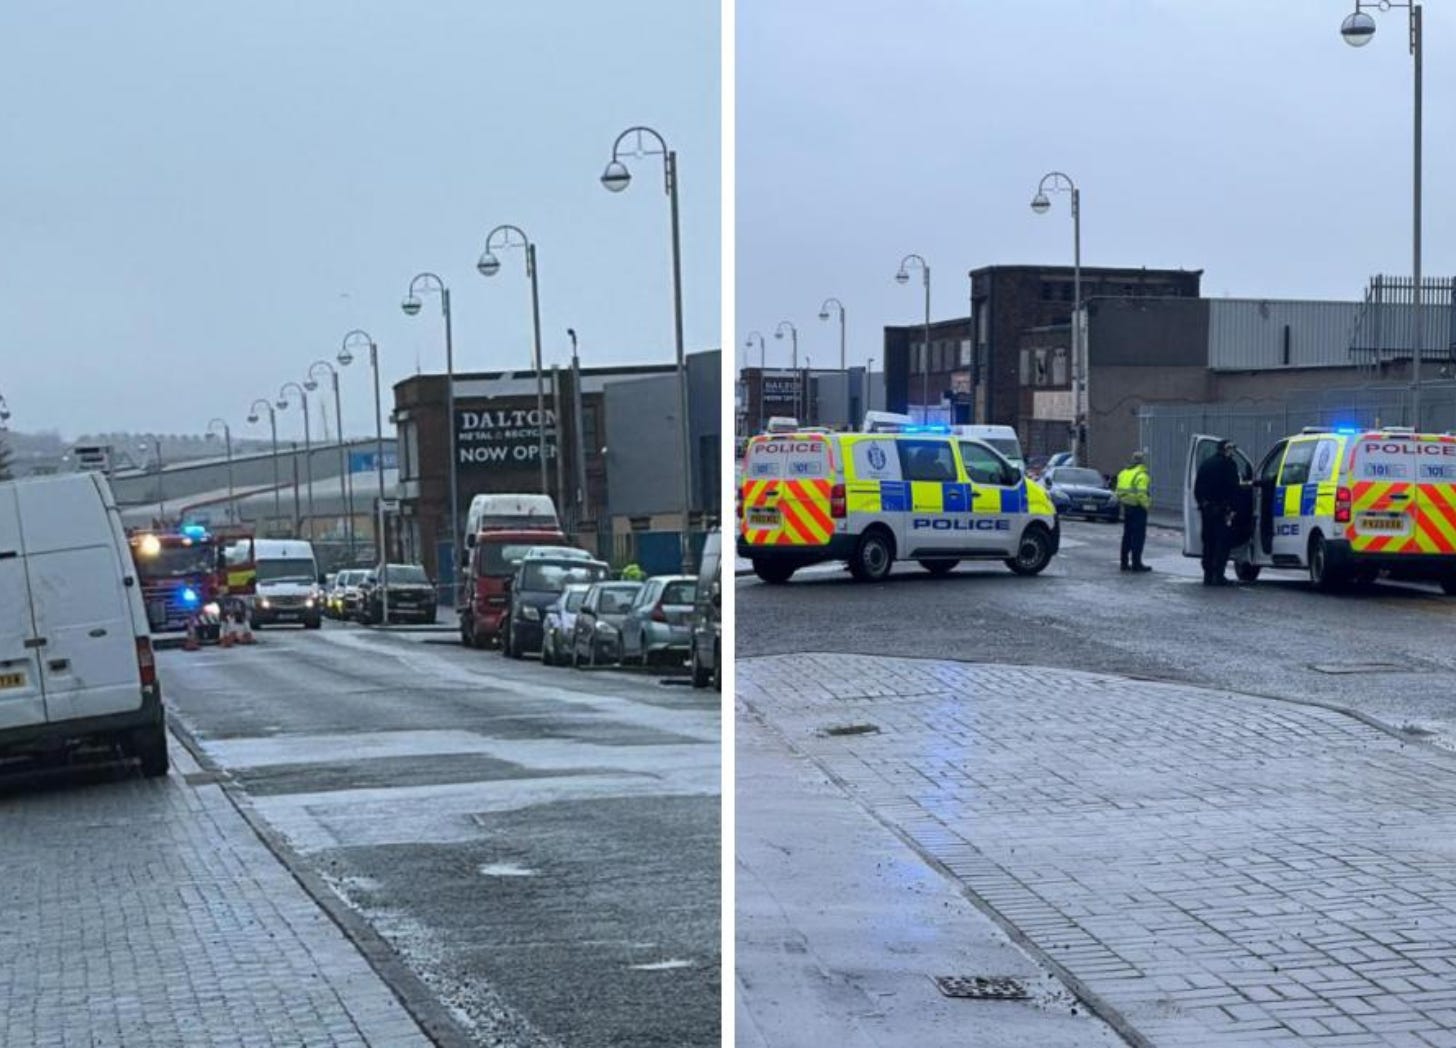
(12, 680)
(1372, 523)
(763, 518)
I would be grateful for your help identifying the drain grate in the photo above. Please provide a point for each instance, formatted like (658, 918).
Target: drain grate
(982, 987)
(1358, 667)
(853, 729)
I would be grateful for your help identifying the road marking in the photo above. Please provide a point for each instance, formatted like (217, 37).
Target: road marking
(505, 869)
(661, 966)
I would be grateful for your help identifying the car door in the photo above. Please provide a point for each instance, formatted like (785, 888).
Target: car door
(641, 608)
(586, 621)
(998, 498)
(937, 501)
(22, 689)
(1202, 447)
(1291, 507)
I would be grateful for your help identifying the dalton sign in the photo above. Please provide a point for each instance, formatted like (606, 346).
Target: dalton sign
(502, 437)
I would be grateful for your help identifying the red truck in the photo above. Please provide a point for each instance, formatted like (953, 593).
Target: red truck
(499, 531)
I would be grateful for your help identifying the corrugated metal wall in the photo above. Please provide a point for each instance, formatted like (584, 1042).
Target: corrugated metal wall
(1249, 334)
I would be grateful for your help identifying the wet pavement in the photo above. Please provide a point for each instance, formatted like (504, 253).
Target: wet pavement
(540, 846)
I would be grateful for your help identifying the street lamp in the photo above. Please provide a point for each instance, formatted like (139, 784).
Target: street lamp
(346, 358)
(273, 426)
(345, 488)
(227, 435)
(411, 305)
(489, 266)
(282, 405)
(824, 315)
(647, 142)
(748, 344)
(1357, 29)
(794, 364)
(4, 412)
(1041, 204)
(903, 277)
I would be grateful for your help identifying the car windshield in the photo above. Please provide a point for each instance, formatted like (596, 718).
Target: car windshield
(176, 561)
(554, 576)
(407, 574)
(616, 598)
(1009, 448)
(574, 597)
(684, 591)
(1088, 478)
(294, 569)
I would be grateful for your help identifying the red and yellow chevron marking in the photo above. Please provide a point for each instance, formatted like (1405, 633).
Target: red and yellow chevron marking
(803, 512)
(1433, 510)
(1437, 521)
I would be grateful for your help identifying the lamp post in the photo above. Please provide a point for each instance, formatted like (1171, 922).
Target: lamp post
(794, 365)
(273, 427)
(4, 413)
(1357, 29)
(345, 491)
(411, 306)
(227, 436)
(1058, 182)
(647, 142)
(824, 315)
(762, 381)
(282, 405)
(489, 266)
(346, 358)
(903, 277)
(579, 414)
(155, 446)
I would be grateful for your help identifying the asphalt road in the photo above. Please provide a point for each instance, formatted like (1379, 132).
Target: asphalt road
(540, 845)
(1385, 651)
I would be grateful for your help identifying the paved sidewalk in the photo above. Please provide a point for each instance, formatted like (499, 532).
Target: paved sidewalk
(141, 913)
(1212, 868)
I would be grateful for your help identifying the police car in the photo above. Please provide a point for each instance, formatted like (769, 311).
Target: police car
(868, 499)
(1343, 504)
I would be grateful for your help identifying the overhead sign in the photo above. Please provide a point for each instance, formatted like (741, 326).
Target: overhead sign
(503, 437)
(363, 461)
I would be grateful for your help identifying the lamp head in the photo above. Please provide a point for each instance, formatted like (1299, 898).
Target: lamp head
(902, 277)
(489, 265)
(1357, 29)
(1040, 204)
(616, 177)
(345, 358)
(778, 333)
(824, 314)
(411, 306)
(252, 418)
(310, 385)
(281, 405)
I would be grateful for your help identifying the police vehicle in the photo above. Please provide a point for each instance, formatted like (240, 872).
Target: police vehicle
(920, 494)
(1342, 504)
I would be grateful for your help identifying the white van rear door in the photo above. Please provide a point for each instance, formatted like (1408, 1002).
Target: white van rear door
(22, 695)
(88, 659)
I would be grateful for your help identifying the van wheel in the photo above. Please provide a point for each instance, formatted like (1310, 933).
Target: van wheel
(1246, 571)
(1033, 552)
(1321, 576)
(774, 572)
(150, 747)
(938, 567)
(699, 671)
(1448, 586)
(873, 557)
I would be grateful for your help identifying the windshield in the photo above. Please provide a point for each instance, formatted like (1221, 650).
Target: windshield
(553, 577)
(681, 592)
(574, 597)
(175, 561)
(1009, 448)
(617, 598)
(294, 569)
(501, 558)
(1084, 477)
(407, 574)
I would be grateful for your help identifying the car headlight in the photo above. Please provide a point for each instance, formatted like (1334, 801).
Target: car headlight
(308, 603)
(530, 613)
(263, 602)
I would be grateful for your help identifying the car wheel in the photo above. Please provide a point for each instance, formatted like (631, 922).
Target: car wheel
(1033, 552)
(467, 632)
(150, 747)
(313, 623)
(717, 667)
(1322, 576)
(1246, 571)
(774, 572)
(938, 567)
(1448, 586)
(874, 556)
(700, 672)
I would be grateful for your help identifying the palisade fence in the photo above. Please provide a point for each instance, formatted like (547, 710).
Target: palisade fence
(1166, 429)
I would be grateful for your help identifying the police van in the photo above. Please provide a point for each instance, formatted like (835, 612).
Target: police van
(868, 499)
(1343, 505)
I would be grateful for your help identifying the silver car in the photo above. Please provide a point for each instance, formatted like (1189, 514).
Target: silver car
(560, 624)
(658, 626)
(597, 635)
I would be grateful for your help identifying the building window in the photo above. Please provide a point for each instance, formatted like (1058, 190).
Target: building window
(1026, 367)
(982, 324)
(589, 430)
(1041, 367)
(965, 354)
(1059, 367)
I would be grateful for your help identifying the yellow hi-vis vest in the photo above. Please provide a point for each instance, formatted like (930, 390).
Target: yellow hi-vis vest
(1132, 487)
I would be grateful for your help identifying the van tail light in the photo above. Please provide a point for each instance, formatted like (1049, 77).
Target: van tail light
(658, 615)
(836, 502)
(146, 661)
(1342, 505)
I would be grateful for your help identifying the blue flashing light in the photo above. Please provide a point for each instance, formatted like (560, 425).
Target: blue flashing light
(189, 596)
(1347, 431)
(194, 531)
(943, 430)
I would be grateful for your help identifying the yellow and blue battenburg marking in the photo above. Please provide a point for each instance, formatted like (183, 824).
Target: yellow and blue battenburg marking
(898, 496)
(1295, 500)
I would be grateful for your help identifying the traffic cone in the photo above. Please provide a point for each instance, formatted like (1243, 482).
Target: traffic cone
(190, 642)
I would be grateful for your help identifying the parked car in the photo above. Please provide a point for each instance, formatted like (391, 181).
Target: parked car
(1079, 492)
(659, 625)
(538, 581)
(705, 644)
(560, 622)
(76, 662)
(597, 637)
(344, 602)
(411, 595)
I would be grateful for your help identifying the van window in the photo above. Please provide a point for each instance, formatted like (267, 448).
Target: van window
(982, 464)
(787, 460)
(927, 460)
(1296, 462)
(1323, 466)
(1269, 469)
(172, 562)
(500, 558)
(291, 569)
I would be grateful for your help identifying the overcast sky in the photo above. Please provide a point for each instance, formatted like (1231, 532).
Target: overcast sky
(199, 200)
(1241, 137)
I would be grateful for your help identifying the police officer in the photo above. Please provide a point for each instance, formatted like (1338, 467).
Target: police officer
(1216, 490)
(1132, 491)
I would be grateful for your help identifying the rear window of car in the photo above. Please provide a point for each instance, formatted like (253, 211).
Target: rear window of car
(680, 592)
(617, 598)
(548, 577)
(500, 558)
(787, 460)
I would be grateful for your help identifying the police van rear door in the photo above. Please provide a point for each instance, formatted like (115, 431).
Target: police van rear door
(1387, 472)
(786, 486)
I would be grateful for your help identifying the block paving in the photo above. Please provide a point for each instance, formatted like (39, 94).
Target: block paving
(1214, 868)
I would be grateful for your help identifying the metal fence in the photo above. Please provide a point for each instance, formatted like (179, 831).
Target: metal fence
(1166, 429)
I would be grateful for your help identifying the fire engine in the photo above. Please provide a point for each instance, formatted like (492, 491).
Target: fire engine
(192, 578)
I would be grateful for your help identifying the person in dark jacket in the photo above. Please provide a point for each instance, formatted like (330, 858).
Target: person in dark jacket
(1216, 490)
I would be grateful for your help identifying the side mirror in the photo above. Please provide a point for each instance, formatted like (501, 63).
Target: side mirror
(1013, 476)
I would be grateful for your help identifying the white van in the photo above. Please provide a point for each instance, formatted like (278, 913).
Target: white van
(1002, 438)
(76, 661)
(288, 587)
(510, 513)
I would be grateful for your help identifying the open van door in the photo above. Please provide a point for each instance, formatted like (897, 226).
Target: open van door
(1200, 449)
(22, 694)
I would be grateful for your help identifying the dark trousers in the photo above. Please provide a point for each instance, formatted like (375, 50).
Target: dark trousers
(1215, 541)
(1134, 534)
